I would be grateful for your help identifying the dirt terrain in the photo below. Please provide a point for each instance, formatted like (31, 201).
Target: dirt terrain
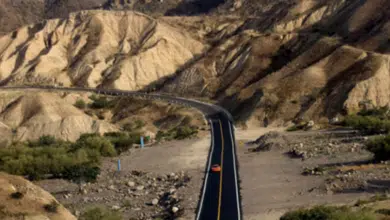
(273, 182)
(172, 176)
(20, 199)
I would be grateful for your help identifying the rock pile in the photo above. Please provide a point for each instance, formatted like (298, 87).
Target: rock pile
(135, 194)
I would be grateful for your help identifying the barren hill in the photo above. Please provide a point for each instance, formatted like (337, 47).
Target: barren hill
(33, 115)
(124, 50)
(30, 204)
(266, 60)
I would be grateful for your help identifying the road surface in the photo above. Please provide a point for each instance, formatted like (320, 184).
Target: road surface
(220, 195)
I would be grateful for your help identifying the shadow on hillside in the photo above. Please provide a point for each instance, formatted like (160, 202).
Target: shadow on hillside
(194, 7)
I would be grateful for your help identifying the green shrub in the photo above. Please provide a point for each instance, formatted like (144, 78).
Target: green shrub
(80, 104)
(380, 147)
(123, 141)
(82, 172)
(179, 133)
(78, 161)
(136, 125)
(46, 140)
(368, 124)
(183, 132)
(328, 213)
(99, 213)
(381, 112)
(96, 142)
(101, 102)
(52, 207)
(383, 211)
(371, 121)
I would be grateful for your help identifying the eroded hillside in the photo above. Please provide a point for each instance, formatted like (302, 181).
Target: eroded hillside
(285, 60)
(27, 116)
(20, 199)
(124, 50)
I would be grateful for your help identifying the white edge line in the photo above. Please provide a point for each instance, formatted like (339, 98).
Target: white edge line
(208, 168)
(235, 171)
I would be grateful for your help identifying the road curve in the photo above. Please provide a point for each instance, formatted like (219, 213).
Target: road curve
(220, 195)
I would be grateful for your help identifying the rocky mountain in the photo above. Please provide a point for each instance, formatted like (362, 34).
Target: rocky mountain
(20, 199)
(263, 60)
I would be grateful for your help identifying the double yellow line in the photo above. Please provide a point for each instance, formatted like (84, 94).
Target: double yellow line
(220, 178)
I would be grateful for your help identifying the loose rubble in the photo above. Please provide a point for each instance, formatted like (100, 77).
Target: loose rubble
(136, 194)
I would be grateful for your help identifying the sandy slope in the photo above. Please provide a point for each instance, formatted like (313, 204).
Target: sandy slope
(33, 115)
(287, 60)
(125, 50)
(31, 206)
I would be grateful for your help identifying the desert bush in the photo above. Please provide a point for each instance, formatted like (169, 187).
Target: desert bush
(123, 141)
(328, 213)
(381, 112)
(99, 213)
(383, 211)
(101, 102)
(179, 133)
(17, 195)
(370, 121)
(96, 142)
(80, 104)
(368, 124)
(136, 125)
(52, 207)
(81, 173)
(183, 132)
(380, 147)
(74, 161)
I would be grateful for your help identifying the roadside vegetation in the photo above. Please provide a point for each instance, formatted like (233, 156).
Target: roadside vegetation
(380, 147)
(330, 213)
(178, 133)
(101, 102)
(49, 157)
(100, 213)
(372, 121)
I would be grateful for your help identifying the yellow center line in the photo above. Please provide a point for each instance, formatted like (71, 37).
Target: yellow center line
(220, 178)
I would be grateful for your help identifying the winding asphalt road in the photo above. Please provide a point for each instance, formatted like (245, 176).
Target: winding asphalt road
(220, 196)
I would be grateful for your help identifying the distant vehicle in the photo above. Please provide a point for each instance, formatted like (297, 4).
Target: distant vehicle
(216, 168)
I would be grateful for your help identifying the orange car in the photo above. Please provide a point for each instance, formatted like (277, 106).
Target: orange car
(216, 168)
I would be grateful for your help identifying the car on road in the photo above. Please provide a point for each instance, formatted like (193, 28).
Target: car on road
(216, 168)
